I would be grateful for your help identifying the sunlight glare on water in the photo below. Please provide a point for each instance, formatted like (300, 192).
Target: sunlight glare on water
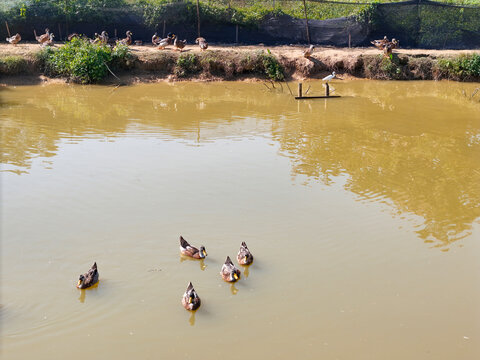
(362, 214)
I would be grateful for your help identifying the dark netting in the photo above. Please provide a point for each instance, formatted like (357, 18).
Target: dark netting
(428, 24)
(417, 23)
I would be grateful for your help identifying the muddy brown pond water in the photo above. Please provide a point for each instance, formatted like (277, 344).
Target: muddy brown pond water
(362, 214)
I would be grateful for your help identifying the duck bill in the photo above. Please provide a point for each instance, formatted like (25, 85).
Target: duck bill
(204, 253)
(190, 300)
(79, 283)
(235, 276)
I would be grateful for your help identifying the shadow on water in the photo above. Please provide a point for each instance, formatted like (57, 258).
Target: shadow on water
(83, 292)
(422, 162)
(200, 261)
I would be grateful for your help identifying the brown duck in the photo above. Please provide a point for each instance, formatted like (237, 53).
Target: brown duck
(89, 278)
(191, 300)
(42, 39)
(188, 250)
(379, 44)
(307, 53)
(202, 43)
(15, 39)
(229, 272)
(128, 39)
(179, 44)
(244, 255)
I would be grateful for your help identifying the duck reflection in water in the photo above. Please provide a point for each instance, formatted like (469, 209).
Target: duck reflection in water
(83, 292)
(191, 320)
(246, 270)
(81, 298)
(233, 289)
(200, 261)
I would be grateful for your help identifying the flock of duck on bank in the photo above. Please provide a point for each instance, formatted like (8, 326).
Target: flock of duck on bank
(48, 39)
(384, 44)
(190, 299)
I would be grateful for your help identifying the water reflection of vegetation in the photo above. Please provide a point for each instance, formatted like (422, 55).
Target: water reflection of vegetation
(424, 165)
(421, 162)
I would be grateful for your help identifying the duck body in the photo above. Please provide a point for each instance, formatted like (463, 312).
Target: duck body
(155, 39)
(128, 40)
(179, 44)
(88, 279)
(169, 40)
(50, 41)
(190, 300)
(73, 36)
(15, 39)
(379, 44)
(202, 43)
(42, 39)
(244, 256)
(388, 47)
(104, 38)
(188, 250)
(229, 272)
(307, 53)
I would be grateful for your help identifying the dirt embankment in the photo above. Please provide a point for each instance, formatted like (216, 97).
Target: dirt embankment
(235, 63)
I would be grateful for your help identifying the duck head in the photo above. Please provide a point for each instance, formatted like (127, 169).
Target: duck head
(235, 275)
(203, 252)
(81, 279)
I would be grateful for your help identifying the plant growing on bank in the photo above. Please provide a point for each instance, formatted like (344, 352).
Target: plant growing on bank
(273, 69)
(82, 61)
(12, 65)
(463, 66)
(186, 64)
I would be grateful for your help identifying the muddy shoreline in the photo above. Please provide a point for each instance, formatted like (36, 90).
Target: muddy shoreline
(226, 62)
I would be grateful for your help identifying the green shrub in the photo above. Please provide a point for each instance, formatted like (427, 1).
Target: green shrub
(273, 69)
(187, 64)
(13, 65)
(82, 61)
(463, 66)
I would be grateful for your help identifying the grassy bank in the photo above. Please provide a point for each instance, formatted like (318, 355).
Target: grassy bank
(80, 61)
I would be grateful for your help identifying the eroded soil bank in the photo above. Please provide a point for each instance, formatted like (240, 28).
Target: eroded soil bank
(19, 65)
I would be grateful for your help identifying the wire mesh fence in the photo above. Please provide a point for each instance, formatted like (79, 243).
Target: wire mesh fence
(416, 23)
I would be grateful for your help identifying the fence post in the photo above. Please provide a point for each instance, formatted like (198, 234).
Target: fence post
(198, 18)
(306, 21)
(163, 36)
(236, 34)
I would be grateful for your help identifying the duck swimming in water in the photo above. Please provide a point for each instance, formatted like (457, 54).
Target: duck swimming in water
(188, 250)
(229, 272)
(191, 300)
(244, 255)
(89, 278)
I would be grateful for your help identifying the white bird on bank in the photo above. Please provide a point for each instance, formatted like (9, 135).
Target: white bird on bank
(329, 77)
